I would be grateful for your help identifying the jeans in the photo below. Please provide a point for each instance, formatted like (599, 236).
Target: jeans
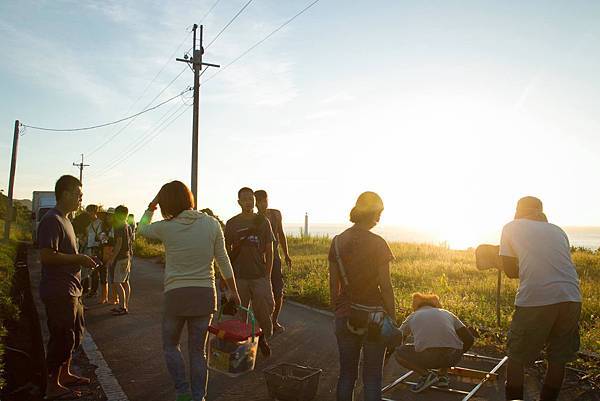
(197, 327)
(350, 346)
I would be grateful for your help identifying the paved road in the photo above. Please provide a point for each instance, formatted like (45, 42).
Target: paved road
(132, 346)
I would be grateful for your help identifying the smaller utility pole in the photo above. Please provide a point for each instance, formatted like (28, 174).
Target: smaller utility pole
(196, 62)
(81, 166)
(11, 183)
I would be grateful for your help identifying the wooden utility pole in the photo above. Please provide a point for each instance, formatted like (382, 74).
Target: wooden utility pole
(11, 183)
(81, 166)
(196, 62)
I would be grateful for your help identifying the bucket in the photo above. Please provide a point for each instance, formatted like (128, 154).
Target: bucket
(232, 345)
(291, 382)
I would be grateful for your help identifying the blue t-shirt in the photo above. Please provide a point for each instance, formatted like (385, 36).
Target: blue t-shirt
(56, 232)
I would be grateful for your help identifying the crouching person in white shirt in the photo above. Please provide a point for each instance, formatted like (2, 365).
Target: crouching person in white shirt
(548, 300)
(440, 339)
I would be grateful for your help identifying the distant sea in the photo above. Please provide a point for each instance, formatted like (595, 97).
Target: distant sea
(586, 237)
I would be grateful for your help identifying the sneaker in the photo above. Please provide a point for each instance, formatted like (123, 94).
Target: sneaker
(184, 397)
(425, 382)
(264, 347)
(443, 381)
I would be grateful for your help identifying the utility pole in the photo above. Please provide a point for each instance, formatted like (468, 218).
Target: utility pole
(81, 166)
(196, 62)
(11, 183)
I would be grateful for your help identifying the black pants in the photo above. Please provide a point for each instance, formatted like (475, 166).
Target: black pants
(65, 325)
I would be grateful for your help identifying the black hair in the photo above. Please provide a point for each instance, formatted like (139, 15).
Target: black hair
(244, 189)
(260, 194)
(64, 184)
(121, 211)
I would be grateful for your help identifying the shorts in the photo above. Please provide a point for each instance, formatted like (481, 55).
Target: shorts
(277, 278)
(430, 358)
(552, 327)
(65, 326)
(121, 270)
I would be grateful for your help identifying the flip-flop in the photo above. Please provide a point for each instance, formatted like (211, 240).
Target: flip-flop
(67, 395)
(80, 381)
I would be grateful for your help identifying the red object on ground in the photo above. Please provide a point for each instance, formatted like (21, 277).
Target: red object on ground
(233, 330)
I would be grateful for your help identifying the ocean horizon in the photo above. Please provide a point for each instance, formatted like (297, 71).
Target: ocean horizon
(579, 236)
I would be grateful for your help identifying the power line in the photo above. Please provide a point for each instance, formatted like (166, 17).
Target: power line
(262, 40)
(163, 67)
(109, 123)
(103, 144)
(158, 130)
(166, 115)
(229, 23)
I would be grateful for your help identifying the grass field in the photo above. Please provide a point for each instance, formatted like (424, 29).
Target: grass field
(463, 289)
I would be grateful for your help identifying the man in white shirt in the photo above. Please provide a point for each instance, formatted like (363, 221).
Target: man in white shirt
(440, 339)
(548, 300)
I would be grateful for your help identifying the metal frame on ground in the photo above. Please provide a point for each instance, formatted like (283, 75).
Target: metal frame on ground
(485, 376)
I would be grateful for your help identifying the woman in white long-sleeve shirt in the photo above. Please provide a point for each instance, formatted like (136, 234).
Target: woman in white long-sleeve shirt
(192, 240)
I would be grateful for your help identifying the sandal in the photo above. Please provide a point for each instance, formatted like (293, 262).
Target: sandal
(120, 312)
(67, 395)
(79, 381)
(117, 309)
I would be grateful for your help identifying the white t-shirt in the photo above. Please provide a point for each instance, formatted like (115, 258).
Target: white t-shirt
(433, 328)
(546, 271)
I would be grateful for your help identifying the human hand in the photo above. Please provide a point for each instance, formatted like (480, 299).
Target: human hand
(288, 261)
(154, 203)
(86, 261)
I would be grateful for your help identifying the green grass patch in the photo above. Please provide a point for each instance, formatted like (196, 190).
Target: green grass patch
(468, 292)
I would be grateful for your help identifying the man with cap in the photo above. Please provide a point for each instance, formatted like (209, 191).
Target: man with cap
(548, 300)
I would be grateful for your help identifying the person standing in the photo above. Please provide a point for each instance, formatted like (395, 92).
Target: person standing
(366, 259)
(249, 243)
(121, 260)
(548, 300)
(192, 240)
(279, 238)
(60, 288)
(80, 224)
(93, 247)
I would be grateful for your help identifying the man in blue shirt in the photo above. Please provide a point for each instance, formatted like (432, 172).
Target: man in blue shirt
(60, 288)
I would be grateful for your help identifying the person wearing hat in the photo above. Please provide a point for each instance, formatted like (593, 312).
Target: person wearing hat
(548, 300)
(359, 274)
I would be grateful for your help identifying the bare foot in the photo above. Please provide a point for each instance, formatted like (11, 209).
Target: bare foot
(58, 392)
(277, 328)
(70, 379)
(104, 301)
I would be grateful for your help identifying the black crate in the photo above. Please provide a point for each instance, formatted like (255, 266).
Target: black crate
(290, 382)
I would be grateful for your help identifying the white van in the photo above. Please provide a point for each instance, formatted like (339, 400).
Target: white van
(42, 202)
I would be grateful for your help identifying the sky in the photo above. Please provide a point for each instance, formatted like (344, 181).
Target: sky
(451, 111)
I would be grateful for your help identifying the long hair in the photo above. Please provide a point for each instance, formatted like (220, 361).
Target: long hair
(173, 198)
